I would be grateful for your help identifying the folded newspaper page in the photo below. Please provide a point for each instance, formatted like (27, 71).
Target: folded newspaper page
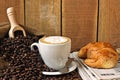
(84, 74)
(100, 74)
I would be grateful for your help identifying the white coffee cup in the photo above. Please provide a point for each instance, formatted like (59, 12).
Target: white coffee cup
(54, 50)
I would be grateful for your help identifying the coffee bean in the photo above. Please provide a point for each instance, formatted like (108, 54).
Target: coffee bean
(25, 64)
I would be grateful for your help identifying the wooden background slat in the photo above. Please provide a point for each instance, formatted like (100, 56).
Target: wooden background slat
(19, 8)
(79, 21)
(43, 16)
(109, 22)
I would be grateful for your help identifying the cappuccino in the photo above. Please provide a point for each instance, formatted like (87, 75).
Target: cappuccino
(54, 50)
(54, 40)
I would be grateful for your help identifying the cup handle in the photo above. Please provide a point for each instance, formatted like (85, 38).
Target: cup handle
(34, 44)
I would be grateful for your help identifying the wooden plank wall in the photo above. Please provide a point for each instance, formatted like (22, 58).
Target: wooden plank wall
(109, 21)
(83, 21)
(43, 17)
(17, 4)
(79, 21)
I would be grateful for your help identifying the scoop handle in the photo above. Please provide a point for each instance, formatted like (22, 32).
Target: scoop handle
(11, 16)
(14, 25)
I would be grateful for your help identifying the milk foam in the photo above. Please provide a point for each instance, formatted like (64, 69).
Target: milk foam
(55, 39)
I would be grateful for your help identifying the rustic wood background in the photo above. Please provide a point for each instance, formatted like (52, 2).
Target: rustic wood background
(83, 21)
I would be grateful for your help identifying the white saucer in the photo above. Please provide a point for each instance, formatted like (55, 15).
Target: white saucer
(71, 68)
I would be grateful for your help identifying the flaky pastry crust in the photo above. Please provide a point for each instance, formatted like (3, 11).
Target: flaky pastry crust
(99, 55)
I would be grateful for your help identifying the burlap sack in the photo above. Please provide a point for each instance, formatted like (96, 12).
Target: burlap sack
(4, 28)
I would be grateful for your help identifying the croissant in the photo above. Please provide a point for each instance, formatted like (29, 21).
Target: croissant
(99, 55)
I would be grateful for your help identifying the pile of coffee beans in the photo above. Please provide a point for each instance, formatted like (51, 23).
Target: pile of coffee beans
(25, 64)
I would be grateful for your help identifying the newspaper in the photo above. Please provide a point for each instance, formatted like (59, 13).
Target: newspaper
(98, 74)
(85, 75)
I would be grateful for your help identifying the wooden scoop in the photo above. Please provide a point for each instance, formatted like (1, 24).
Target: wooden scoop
(14, 25)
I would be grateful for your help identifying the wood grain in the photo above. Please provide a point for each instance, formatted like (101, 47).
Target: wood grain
(43, 17)
(19, 9)
(79, 21)
(4, 28)
(109, 22)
